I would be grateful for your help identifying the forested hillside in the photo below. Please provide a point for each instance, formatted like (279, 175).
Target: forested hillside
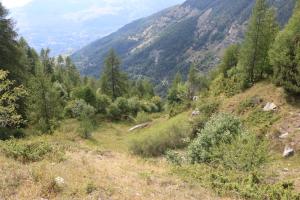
(161, 45)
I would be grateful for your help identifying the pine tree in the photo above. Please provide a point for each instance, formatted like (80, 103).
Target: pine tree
(44, 101)
(9, 51)
(262, 30)
(47, 61)
(113, 81)
(285, 55)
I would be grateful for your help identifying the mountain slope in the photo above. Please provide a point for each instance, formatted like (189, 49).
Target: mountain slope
(162, 44)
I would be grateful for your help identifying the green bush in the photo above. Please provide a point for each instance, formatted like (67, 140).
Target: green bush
(222, 128)
(156, 140)
(6, 133)
(85, 93)
(246, 152)
(209, 107)
(143, 117)
(102, 103)
(26, 152)
(156, 100)
(243, 185)
(114, 112)
(77, 108)
(134, 105)
(123, 105)
(174, 157)
(86, 127)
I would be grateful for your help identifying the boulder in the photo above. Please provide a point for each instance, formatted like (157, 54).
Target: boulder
(138, 127)
(288, 152)
(59, 182)
(270, 107)
(284, 135)
(195, 113)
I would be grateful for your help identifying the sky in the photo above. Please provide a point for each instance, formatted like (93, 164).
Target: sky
(68, 25)
(14, 3)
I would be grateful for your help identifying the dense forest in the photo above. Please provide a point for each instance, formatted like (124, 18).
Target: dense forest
(221, 150)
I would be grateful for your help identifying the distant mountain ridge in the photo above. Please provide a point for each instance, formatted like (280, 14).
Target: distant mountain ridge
(160, 45)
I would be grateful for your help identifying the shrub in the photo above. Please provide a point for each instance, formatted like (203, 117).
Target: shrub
(123, 106)
(114, 112)
(174, 157)
(143, 117)
(156, 100)
(77, 108)
(222, 128)
(209, 107)
(26, 152)
(134, 105)
(85, 93)
(86, 127)
(6, 133)
(155, 141)
(102, 103)
(245, 153)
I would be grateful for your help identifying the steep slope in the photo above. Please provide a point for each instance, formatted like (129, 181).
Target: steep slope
(167, 42)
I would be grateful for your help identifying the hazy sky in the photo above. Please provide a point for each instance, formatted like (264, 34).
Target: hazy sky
(71, 24)
(14, 3)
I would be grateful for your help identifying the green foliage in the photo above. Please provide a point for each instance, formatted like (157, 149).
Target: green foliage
(123, 106)
(261, 33)
(245, 153)
(174, 157)
(229, 60)
(114, 112)
(77, 108)
(45, 104)
(222, 128)
(10, 96)
(102, 103)
(143, 117)
(113, 81)
(230, 85)
(285, 55)
(7, 133)
(26, 152)
(86, 127)
(156, 140)
(90, 188)
(259, 121)
(85, 93)
(246, 185)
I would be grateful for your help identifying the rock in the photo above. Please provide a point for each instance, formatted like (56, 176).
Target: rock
(270, 107)
(138, 127)
(285, 170)
(59, 182)
(284, 135)
(288, 152)
(195, 98)
(195, 113)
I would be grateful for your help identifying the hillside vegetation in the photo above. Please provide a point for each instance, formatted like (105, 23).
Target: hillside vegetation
(233, 134)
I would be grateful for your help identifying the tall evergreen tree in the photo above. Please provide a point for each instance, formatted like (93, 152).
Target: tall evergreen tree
(285, 54)
(262, 30)
(9, 51)
(113, 81)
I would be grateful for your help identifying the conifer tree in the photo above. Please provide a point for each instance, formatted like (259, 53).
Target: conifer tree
(285, 54)
(9, 51)
(229, 60)
(113, 81)
(261, 32)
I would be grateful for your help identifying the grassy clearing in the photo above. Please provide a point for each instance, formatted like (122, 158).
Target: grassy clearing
(171, 134)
